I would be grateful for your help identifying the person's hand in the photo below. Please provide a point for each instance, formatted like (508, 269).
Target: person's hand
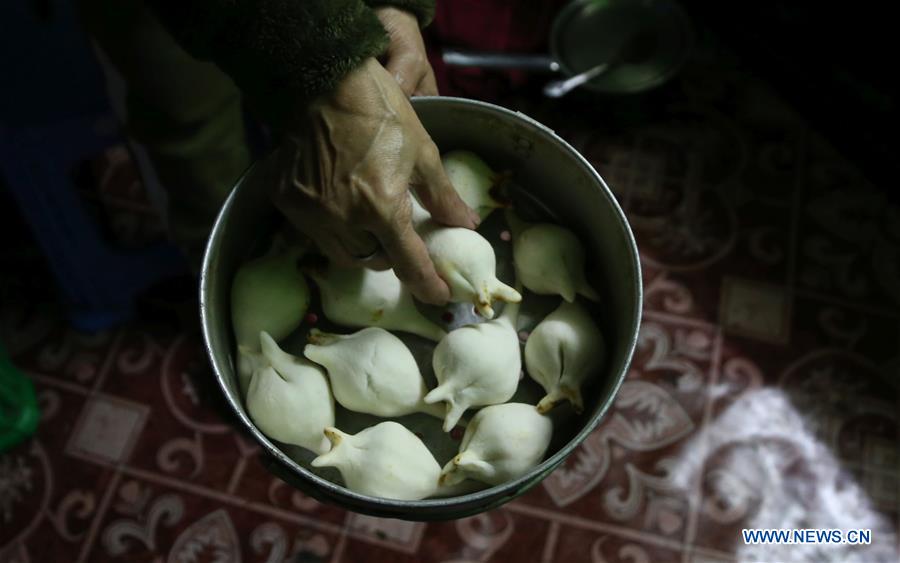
(342, 177)
(406, 59)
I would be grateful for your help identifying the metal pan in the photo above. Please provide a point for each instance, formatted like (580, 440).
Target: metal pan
(587, 33)
(556, 182)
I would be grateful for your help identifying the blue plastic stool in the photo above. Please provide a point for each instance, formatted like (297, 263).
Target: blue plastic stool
(98, 281)
(54, 113)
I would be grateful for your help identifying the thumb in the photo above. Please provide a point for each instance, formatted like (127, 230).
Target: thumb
(437, 194)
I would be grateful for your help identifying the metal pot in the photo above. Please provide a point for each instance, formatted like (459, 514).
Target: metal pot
(587, 33)
(551, 172)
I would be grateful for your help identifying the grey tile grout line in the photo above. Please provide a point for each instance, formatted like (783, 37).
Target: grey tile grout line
(236, 476)
(341, 544)
(550, 543)
(50, 381)
(593, 526)
(108, 361)
(697, 490)
(98, 518)
(676, 319)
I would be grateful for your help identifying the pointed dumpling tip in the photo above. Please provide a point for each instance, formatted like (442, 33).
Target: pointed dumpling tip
(323, 460)
(484, 309)
(324, 446)
(440, 393)
(329, 456)
(450, 476)
(318, 337)
(506, 293)
(567, 293)
(267, 344)
(454, 413)
(550, 400)
(574, 397)
(557, 396)
(588, 292)
(472, 464)
(334, 435)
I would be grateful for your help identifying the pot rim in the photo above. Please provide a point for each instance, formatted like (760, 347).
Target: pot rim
(536, 473)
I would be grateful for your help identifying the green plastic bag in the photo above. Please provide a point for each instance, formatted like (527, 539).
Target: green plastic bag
(19, 412)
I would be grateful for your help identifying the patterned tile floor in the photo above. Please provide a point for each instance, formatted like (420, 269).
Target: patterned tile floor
(764, 391)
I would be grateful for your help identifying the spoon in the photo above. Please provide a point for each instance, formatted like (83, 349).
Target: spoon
(635, 49)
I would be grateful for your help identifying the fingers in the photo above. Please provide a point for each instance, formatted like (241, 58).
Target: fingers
(428, 85)
(437, 194)
(407, 68)
(406, 58)
(412, 264)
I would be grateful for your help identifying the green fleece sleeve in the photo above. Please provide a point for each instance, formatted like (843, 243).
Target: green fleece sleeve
(423, 9)
(281, 53)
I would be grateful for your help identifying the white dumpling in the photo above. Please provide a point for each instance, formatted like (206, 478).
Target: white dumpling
(466, 261)
(501, 443)
(248, 360)
(371, 371)
(474, 181)
(289, 399)
(360, 297)
(268, 294)
(477, 365)
(561, 352)
(385, 460)
(549, 259)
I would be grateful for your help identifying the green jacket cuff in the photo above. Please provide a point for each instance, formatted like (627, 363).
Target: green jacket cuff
(281, 53)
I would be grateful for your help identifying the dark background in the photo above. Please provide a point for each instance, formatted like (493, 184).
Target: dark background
(835, 62)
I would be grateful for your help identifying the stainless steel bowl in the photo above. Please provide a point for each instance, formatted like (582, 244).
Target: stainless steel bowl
(549, 171)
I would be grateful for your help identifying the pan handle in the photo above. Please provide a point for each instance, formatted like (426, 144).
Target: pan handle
(537, 63)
